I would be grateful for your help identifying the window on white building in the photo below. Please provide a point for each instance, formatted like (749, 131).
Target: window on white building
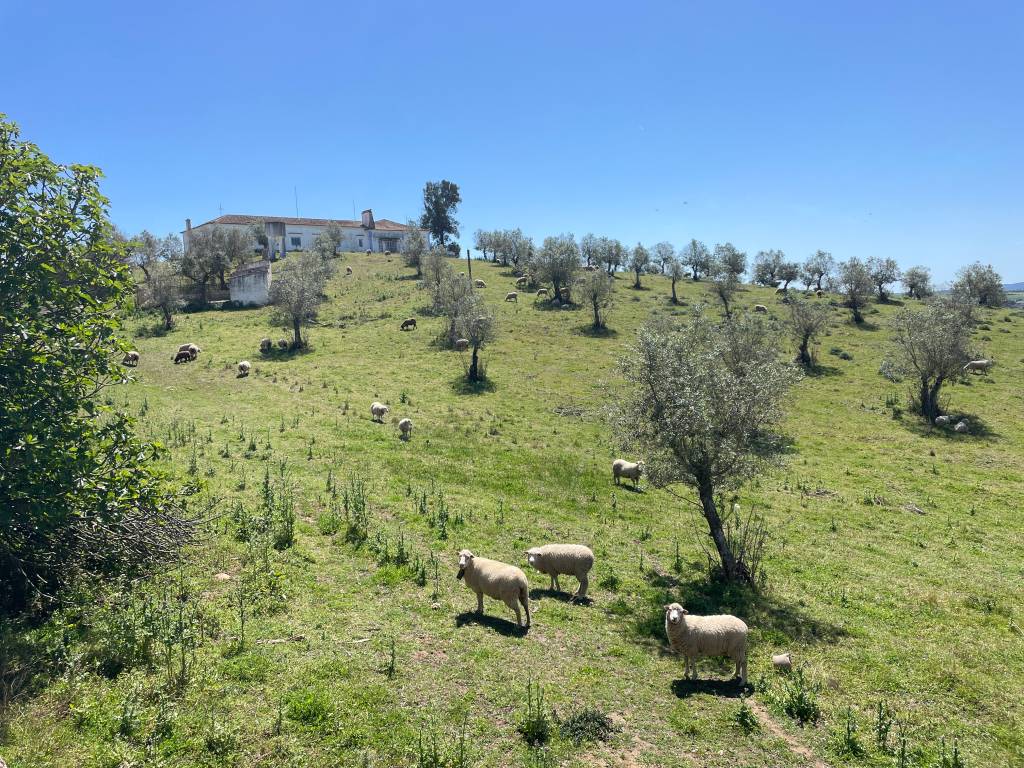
(360, 242)
(296, 241)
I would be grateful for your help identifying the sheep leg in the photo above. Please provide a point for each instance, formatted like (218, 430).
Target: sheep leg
(524, 597)
(555, 580)
(581, 593)
(480, 602)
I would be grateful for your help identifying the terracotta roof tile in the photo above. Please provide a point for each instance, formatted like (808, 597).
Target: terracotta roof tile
(235, 218)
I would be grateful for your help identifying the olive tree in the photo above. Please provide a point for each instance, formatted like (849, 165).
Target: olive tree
(597, 290)
(662, 254)
(702, 405)
(297, 292)
(730, 259)
(856, 286)
(613, 254)
(81, 497)
(639, 261)
(980, 285)
(414, 245)
(475, 322)
(203, 259)
(930, 346)
(449, 297)
(788, 272)
(818, 266)
(161, 292)
(883, 272)
(918, 282)
(590, 249)
(558, 262)
(434, 266)
(676, 272)
(144, 251)
(724, 283)
(807, 319)
(696, 256)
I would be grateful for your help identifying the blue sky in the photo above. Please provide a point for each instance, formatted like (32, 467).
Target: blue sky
(865, 129)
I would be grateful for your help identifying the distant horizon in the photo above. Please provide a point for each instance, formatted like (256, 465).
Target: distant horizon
(864, 131)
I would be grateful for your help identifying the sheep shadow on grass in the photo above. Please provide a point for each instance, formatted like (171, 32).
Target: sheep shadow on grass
(729, 689)
(563, 597)
(498, 624)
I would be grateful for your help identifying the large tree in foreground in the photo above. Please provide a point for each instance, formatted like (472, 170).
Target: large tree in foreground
(930, 347)
(702, 406)
(297, 291)
(440, 202)
(79, 496)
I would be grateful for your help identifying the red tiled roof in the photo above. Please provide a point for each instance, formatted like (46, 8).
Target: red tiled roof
(236, 218)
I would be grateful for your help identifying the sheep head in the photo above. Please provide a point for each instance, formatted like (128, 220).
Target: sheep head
(674, 613)
(465, 558)
(533, 556)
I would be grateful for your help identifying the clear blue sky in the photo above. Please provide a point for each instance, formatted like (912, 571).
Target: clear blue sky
(889, 129)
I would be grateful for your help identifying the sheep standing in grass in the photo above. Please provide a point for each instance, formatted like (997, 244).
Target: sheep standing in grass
(282, 343)
(408, 324)
(348, 271)
(183, 356)
(192, 349)
(627, 469)
(131, 358)
(521, 282)
(266, 345)
(479, 284)
(497, 580)
(243, 368)
(695, 637)
(542, 293)
(942, 421)
(760, 308)
(461, 345)
(405, 427)
(378, 411)
(962, 427)
(978, 366)
(512, 296)
(570, 559)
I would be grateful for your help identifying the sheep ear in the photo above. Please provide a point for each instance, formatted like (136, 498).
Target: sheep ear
(665, 607)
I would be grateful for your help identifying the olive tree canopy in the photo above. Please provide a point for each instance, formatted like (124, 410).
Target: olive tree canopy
(639, 262)
(558, 262)
(856, 286)
(297, 291)
(702, 405)
(980, 284)
(596, 290)
(918, 282)
(818, 266)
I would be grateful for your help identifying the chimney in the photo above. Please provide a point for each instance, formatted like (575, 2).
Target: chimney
(188, 232)
(368, 219)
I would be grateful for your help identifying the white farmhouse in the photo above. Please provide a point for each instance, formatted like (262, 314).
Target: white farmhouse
(286, 233)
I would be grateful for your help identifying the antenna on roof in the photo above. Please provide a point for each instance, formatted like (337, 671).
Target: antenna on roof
(296, 190)
(221, 208)
(353, 210)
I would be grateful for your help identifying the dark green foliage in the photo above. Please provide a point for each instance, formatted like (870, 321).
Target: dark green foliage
(440, 202)
(311, 707)
(77, 491)
(587, 724)
(535, 724)
(745, 717)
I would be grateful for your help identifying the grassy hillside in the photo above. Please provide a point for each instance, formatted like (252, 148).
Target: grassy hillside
(894, 568)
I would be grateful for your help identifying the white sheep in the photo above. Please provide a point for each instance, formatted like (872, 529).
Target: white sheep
(266, 345)
(521, 282)
(131, 358)
(542, 293)
(378, 411)
(696, 637)
(941, 421)
(782, 662)
(243, 368)
(760, 308)
(497, 580)
(348, 271)
(628, 469)
(461, 345)
(980, 366)
(512, 296)
(479, 284)
(961, 427)
(282, 343)
(571, 559)
(405, 427)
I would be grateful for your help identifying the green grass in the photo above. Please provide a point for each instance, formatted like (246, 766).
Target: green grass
(920, 609)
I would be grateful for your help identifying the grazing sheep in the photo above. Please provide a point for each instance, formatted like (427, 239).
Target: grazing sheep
(266, 345)
(368, 252)
(131, 359)
(555, 559)
(243, 368)
(348, 271)
(378, 411)
(185, 347)
(942, 421)
(961, 426)
(192, 349)
(698, 636)
(405, 427)
(819, 294)
(760, 308)
(183, 356)
(542, 293)
(628, 469)
(409, 322)
(479, 284)
(979, 366)
(783, 662)
(521, 282)
(497, 580)
(282, 343)
(461, 345)
(512, 296)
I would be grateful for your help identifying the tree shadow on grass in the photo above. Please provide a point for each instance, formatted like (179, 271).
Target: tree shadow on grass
(590, 331)
(499, 625)
(275, 353)
(728, 689)
(820, 371)
(979, 429)
(549, 306)
(413, 276)
(777, 623)
(462, 386)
